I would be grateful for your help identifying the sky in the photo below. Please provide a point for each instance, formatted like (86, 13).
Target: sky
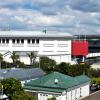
(71, 16)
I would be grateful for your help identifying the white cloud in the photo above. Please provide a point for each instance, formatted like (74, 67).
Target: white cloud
(55, 14)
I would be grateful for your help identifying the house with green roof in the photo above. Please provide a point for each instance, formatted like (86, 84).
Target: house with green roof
(61, 86)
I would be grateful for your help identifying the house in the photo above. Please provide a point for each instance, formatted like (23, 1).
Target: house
(61, 86)
(22, 74)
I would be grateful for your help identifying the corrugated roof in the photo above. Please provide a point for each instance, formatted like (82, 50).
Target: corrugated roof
(34, 34)
(46, 83)
(21, 73)
(82, 79)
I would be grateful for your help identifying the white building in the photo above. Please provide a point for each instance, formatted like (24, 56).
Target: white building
(58, 85)
(55, 45)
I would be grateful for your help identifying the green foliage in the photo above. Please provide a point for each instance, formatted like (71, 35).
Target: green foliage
(11, 85)
(14, 58)
(72, 70)
(20, 95)
(96, 80)
(20, 64)
(94, 72)
(47, 64)
(1, 59)
(62, 67)
(32, 57)
(52, 98)
(13, 89)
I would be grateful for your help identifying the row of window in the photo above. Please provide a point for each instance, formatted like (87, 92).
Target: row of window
(20, 41)
(4, 40)
(33, 41)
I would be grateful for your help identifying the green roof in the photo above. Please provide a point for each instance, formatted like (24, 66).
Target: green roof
(82, 79)
(47, 82)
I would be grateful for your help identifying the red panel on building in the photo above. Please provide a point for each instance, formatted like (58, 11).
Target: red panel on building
(79, 48)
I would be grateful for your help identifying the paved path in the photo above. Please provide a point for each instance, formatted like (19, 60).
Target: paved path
(93, 96)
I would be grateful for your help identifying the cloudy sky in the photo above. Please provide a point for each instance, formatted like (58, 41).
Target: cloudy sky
(71, 16)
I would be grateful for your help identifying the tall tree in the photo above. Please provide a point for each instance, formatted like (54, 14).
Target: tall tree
(32, 57)
(47, 64)
(11, 85)
(1, 59)
(14, 58)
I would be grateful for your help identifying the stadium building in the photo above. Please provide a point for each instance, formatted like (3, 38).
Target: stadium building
(93, 47)
(56, 46)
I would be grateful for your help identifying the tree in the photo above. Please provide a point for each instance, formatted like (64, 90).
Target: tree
(22, 96)
(73, 70)
(52, 98)
(20, 64)
(32, 57)
(14, 58)
(13, 89)
(11, 85)
(1, 59)
(62, 67)
(47, 64)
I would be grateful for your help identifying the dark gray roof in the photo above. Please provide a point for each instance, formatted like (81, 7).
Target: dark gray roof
(21, 73)
(89, 36)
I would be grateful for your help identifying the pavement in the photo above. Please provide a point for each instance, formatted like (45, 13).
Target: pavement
(92, 96)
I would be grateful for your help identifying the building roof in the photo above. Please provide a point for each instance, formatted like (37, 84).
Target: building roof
(39, 34)
(21, 73)
(55, 82)
(89, 36)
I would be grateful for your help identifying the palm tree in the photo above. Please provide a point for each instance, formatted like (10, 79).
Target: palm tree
(14, 58)
(1, 59)
(32, 57)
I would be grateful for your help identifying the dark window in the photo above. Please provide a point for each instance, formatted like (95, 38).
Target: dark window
(7, 41)
(22, 40)
(3, 40)
(33, 40)
(0, 40)
(28, 40)
(18, 40)
(13, 41)
(37, 41)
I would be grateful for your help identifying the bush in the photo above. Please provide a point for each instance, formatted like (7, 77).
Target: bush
(20, 95)
(96, 80)
(47, 64)
(52, 98)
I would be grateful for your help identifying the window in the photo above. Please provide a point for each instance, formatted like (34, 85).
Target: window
(28, 41)
(0, 40)
(13, 41)
(37, 41)
(3, 40)
(18, 40)
(33, 40)
(22, 40)
(7, 41)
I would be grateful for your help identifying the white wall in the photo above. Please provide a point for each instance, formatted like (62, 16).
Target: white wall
(73, 94)
(57, 49)
(93, 55)
(44, 96)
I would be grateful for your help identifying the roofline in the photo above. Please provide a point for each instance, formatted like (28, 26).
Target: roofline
(43, 91)
(39, 34)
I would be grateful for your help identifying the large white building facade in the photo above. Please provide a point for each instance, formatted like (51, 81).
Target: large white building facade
(55, 46)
